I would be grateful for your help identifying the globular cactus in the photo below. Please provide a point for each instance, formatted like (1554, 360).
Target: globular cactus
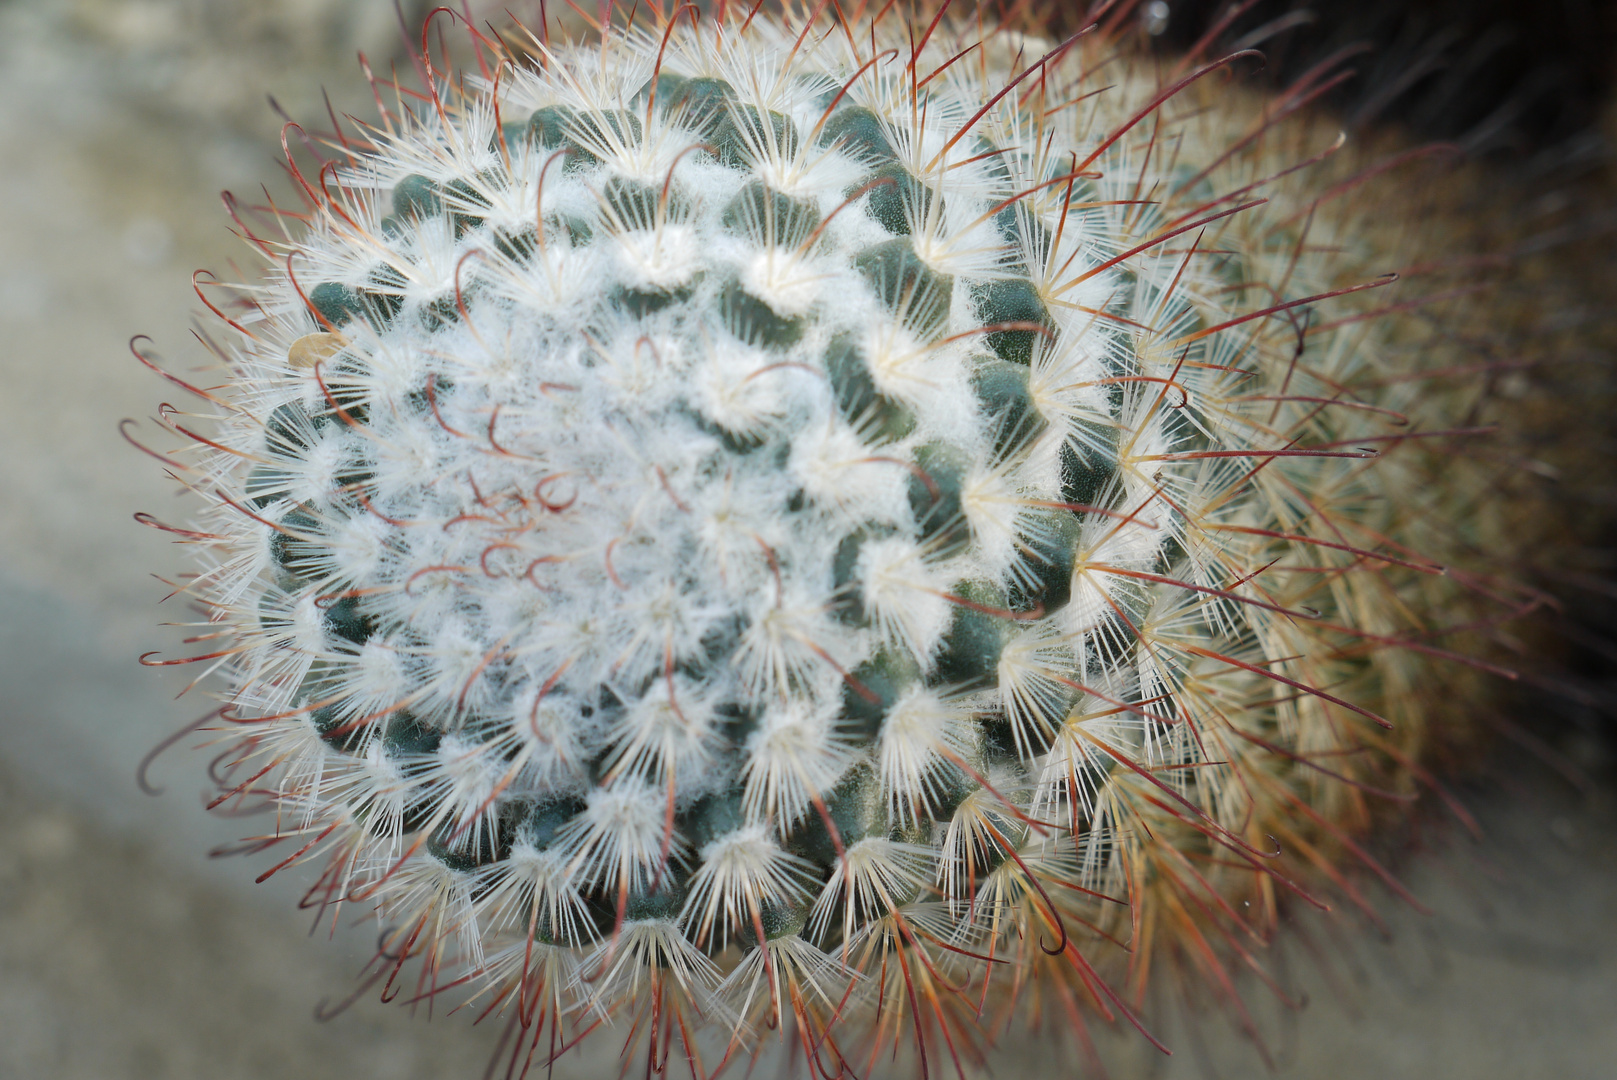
(876, 527)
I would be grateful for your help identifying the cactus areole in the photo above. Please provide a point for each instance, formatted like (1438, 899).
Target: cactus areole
(757, 522)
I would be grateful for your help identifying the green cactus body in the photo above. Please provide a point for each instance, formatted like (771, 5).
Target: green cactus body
(786, 552)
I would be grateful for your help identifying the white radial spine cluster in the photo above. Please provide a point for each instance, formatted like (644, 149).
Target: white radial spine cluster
(770, 520)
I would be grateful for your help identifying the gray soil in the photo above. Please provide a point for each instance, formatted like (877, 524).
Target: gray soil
(126, 952)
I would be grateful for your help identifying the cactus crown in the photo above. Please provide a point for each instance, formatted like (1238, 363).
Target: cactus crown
(781, 512)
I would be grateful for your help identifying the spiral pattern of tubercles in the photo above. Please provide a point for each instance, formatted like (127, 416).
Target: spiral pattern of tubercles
(773, 518)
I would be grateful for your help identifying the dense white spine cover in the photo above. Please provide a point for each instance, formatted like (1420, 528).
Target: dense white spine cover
(610, 502)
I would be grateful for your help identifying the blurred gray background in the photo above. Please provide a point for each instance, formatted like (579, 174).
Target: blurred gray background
(126, 952)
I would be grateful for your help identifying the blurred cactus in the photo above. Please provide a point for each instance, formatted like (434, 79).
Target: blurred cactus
(758, 521)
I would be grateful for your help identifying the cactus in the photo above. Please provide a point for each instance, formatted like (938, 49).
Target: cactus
(756, 521)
